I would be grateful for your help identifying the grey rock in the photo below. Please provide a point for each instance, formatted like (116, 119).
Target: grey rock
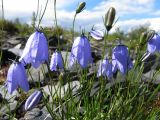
(60, 91)
(13, 42)
(148, 77)
(96, 85)
(9, 107)
(6, 95)
(31, 115)
(45, 114)
(37, 114)
(16, 51)
(66, 57)
(37, 74)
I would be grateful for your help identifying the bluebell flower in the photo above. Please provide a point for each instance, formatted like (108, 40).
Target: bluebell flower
(121, 60)
(56, 61)
(17, 77)
(81, 52)
(33, 100)
(105, 69)
(36, 50)
(97, 34)
(154, 44)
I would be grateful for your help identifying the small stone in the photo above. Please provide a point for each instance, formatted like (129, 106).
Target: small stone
(31, 115)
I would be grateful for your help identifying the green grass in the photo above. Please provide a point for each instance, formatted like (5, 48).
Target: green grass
(131, 99)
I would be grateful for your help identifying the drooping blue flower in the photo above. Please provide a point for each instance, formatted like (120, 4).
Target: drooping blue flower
(36, 50)
(154, 44)
(105, 69)
(121, 60)
(97, 34)
(81, 52)
(17, 77)
(33, 100)
(56, 61)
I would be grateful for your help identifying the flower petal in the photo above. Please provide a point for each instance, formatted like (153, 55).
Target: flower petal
(81, 52)
(36, 50)
(121, 59)
(11, 79)
(56, 61)
(105, 69)
(154, 44)
(97, 34)
(21, 77)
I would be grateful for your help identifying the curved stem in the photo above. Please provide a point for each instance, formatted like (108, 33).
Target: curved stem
(56, 24)
(37, 11)
(73, 26)
(43, 14)
(105, 43)
(2, 11)
(1, 32)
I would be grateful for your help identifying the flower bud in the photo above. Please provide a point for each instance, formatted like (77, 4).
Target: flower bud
(150, 35)
(97, 34)
(109, 18)
(146, 36)
(143, 38)
(33, 100)
(80, 7)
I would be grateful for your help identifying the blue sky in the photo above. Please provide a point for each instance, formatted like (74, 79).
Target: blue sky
(131, 13)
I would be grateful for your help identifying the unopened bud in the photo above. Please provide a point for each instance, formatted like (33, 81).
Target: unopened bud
(33, 100)
(143, 38)
(146, 36)
(109, 18)
(80, 7)
(150, 35)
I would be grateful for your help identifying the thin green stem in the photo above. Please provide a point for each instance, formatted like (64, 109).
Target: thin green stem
(2, 10)
(105, 44)
(37, 10)
(1, 32)
(73, 26)
(40, 19)
(56, 24)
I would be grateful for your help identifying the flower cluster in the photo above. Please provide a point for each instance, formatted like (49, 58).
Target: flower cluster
(120, 61)
(35, 53)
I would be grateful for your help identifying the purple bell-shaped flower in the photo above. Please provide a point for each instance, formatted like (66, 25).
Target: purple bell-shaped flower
(81, 52)
(121, 59)
(56, 61)
(17, 77)
(105, 69)
(154, 44)
(36, 50)
(33, 100)
(97, 34)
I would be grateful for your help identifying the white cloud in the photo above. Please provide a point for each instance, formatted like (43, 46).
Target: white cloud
(25, 8)
(145, 2)
(125, 7)
(153, 23)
